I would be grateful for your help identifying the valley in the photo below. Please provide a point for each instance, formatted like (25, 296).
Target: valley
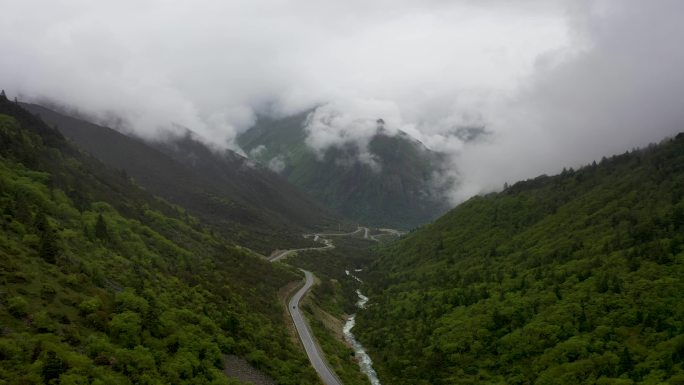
(275, 192)
(116, 285)
(311, 346)
(557, 279)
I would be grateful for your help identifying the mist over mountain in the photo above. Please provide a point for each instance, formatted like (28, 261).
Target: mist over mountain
(554, 82)
(385, 178)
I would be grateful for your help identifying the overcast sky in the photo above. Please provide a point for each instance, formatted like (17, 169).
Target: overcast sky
(556, 83)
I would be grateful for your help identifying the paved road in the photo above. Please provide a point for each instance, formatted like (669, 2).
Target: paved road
(312, 350)
(305, 335)
(393, 232)
(315, 356)
(286, 253)
(318, 237)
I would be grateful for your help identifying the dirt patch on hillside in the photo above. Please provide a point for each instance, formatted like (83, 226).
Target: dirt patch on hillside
(238, 368)
(332, 323)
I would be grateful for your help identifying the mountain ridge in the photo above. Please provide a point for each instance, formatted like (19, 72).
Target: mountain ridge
(395, 188)
(247, 204)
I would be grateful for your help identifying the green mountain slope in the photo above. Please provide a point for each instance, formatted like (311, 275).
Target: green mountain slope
(400, 195)
(249, 204)
(104, 284)
(570, 279)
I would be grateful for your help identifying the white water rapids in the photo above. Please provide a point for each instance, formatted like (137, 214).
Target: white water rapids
(365, 361)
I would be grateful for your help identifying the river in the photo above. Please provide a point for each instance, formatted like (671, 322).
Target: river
(365, 361)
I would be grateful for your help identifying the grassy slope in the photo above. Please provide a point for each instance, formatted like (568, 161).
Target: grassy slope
(143, 295)
(571, 279)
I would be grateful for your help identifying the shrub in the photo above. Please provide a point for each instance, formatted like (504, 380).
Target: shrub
(89, 306)
(17, 306)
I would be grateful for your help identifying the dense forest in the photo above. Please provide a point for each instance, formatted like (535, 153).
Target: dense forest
(569, 279)
(103, 284)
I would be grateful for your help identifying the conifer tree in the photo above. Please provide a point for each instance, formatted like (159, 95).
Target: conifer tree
(40, 223)
(22, 211)
(626, 362)
(101, 231)
(53, 367)
(49, 248)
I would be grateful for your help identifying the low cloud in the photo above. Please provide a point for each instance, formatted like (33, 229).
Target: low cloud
(257, 151)
(351, 125)
(617, 86)
(277, 164)
(548, 83)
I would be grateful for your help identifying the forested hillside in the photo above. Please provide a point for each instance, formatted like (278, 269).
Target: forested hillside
(246, 203)
(570, 279)
(401, 193)
(103, 284)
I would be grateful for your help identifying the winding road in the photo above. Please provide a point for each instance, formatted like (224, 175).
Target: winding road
(286, 253)
(305, 335)
(312, 350)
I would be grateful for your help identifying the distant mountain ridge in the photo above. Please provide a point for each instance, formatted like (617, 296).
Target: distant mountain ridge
(248, 203)
(400, 195)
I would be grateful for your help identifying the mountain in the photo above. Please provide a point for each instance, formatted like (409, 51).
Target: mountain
(103, 283)
(569, 279)
(247, 203)
(400, 195)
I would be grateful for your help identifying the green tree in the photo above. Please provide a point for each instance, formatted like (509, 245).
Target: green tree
(101, 231)
(49, 249)
(626, 361)
(22, 211)
(126, 327)
(17, 306)
(53, 367)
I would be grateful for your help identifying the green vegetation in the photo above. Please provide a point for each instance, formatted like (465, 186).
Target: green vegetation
(103, 284)
(571, 279)
(337, 292)
(398, 196)
(340, 357)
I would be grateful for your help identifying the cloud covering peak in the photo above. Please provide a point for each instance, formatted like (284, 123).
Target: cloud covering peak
(553, 82)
